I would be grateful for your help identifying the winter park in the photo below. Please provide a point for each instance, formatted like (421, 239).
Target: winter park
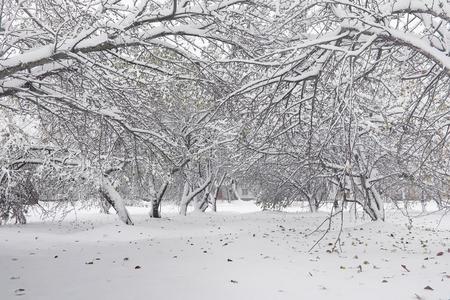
(225, 149)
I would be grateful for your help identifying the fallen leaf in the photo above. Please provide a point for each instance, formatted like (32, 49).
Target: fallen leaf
(404, 267)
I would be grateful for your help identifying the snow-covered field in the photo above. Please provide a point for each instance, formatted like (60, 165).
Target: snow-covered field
(238, 253)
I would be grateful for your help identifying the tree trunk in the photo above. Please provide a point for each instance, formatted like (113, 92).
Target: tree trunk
(214, 203)
(110, 194)
(188, 196)
(312, 204)
(184, 200)
(155, 212)
(374, 205)
(216, 193)
(235, 191)
(105, 206)
(202, 205)
(20, 216)
(423, 202)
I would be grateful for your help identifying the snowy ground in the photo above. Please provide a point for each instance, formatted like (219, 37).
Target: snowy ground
(239, 253)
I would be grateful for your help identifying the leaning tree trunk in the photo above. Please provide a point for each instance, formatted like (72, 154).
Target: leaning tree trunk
(438, 200)
(104, 206)
(374, 204)
(205, 204)
(155, 211)
(188, 196)
(377, 204)
(201, 204)
(110, 194)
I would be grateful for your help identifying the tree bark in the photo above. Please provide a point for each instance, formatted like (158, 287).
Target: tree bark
(373, 205)
(184, 200)
(188, 196)
(312, 204)
(202, 205)
(110, 194)
(216, 193)
(235, 191)
(155, 212)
